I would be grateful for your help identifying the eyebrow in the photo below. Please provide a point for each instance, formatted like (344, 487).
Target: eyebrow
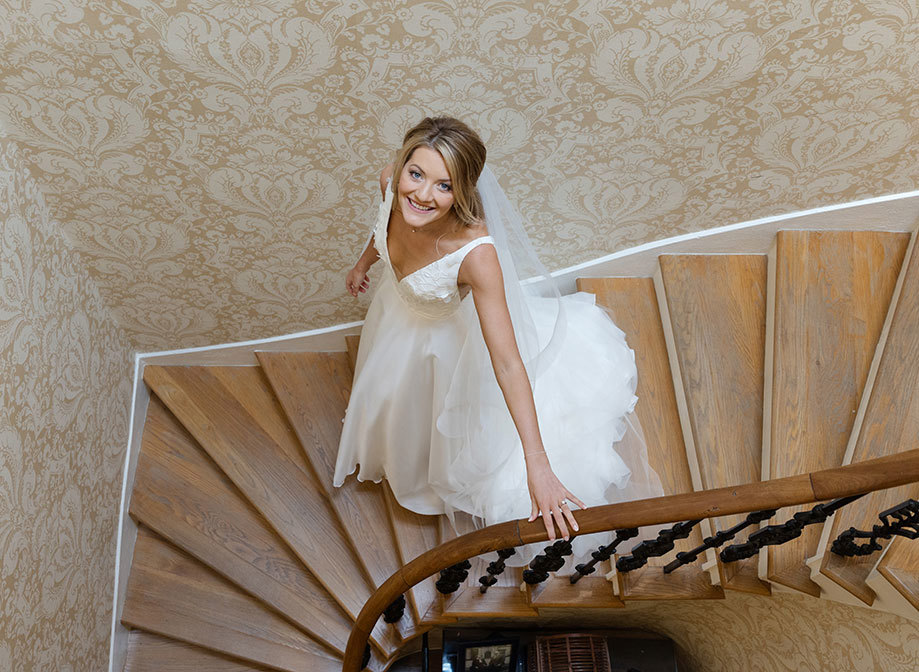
(415, 165)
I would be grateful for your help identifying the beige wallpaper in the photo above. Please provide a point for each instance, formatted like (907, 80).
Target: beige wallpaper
(64, 393)
(214, 163)
(782, 633)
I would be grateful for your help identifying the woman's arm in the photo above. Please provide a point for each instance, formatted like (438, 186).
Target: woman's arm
(482, 273)
(357, 280)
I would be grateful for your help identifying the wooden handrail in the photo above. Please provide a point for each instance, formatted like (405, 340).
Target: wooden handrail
(818, 486)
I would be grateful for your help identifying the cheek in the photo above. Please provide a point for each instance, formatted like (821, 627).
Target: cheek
(445, 201)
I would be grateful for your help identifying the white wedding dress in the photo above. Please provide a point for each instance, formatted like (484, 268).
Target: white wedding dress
(426, 412)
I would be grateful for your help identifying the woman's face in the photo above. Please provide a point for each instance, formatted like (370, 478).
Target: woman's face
(425, 190)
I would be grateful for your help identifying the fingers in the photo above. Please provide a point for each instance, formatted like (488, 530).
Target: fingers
(534, 510)
(566, 511)
(354, 288)
(550, 528)
(560, 521)
(581, 505)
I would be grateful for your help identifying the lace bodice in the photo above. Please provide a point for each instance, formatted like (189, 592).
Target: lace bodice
(432, 290)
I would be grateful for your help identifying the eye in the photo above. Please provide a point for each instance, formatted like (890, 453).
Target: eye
(446, 187)
(415, 174)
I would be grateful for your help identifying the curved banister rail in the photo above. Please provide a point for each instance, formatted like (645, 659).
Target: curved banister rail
(878, 474)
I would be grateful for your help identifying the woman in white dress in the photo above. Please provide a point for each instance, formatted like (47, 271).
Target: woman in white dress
(489, 406)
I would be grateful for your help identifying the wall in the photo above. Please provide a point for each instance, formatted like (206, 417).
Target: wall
(65, 372)
(782, 633)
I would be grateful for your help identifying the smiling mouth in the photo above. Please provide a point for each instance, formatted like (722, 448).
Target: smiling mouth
(416, 206)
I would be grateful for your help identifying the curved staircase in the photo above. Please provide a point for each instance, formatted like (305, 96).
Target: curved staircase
(750, 367)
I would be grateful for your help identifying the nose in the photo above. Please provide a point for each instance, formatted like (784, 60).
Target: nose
(425, 192)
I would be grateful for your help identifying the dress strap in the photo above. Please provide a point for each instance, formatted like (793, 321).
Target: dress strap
(472, 244)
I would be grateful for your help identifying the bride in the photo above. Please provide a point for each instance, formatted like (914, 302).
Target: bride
(490, 405)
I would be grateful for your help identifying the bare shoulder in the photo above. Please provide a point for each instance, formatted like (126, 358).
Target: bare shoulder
(476, 230)
(385, 175)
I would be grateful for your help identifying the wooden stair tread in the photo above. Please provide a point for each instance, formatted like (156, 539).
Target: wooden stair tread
(497, 602)
(634, 307)
(831, 292)
(716, 307)
(172, 594)
(267, 468)
(888, 422)
(252, 385)
(313, 390)
(899, 565)
(151, 653)
(181, 494)
(590, 592)
(650, 582)
(416, 534)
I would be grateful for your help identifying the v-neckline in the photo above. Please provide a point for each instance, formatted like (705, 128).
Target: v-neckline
(427, 265)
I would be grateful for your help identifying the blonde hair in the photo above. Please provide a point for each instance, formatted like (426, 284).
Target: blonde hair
(463, 153)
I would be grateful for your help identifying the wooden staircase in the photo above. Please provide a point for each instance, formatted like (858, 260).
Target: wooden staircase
(750, 367)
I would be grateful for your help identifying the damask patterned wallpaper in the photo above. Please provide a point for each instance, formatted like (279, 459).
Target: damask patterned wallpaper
(214, 163)
(65, 371)
(782, 633)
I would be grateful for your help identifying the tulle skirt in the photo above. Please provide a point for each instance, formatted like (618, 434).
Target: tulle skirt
(426, 413)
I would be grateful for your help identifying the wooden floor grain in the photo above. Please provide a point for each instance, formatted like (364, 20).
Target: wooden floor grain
(633, 305)
(590, 592)
(313, 390)
(890, 424)
(497, 602)
(172, 594)
(899, 566)
(266, 465)
(151, 653)
(717, 314)
(831, 292)
(181, 494)
(415, 534)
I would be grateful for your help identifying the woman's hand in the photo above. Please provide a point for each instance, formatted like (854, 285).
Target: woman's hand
(549, 496)
(357, 280)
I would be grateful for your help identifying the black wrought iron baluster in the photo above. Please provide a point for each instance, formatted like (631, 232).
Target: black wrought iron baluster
(495, 567)
(773, 535)
(452, 577)
(901, 520)
(550, 560)
(656, 547)
(717, 539)
(393, 613)
(602, 553)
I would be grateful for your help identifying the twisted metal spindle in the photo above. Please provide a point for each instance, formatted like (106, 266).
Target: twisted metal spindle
(602, 553)
(717, 539)
(495, 567)
(452, 577)
(550, 560)
(773, 535)
(656, 547)
(393, 613)
(901, 520)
